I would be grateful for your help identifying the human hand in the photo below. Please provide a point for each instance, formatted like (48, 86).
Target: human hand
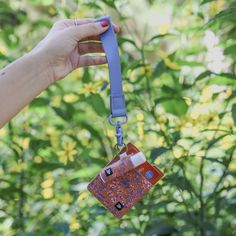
(68, 40)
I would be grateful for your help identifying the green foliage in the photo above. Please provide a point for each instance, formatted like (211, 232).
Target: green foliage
(178, 66)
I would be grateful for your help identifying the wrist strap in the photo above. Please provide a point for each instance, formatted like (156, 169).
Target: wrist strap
(117, 98)
(110, 46)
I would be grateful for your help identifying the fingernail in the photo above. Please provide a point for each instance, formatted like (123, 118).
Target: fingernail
(104, 23)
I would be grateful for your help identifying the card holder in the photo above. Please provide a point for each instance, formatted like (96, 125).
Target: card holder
(120, 194)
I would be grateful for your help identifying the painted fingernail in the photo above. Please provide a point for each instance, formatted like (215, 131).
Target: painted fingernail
(104, 23)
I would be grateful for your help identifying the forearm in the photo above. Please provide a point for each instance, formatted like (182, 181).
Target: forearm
(20, 82)
(27, 77)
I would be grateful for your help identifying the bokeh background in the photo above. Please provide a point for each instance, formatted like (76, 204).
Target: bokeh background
(178, 66)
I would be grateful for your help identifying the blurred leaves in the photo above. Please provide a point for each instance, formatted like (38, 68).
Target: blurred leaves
(230, 50)
(157, 152)
(234, 113)
(39, 102)
(226, 15)
(97, 104)
(206, 1)
(176, 106)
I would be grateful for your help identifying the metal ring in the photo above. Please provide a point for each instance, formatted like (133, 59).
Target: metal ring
(117, 147)
(121, 122)
(75, 21)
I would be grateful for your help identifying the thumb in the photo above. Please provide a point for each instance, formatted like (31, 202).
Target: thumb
(87, 30)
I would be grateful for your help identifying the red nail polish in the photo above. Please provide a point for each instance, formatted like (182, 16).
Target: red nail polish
(104, 23)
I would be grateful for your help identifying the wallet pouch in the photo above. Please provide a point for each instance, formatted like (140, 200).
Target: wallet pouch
(120, 194)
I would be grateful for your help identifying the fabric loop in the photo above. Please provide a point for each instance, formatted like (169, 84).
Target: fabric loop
(117, 98)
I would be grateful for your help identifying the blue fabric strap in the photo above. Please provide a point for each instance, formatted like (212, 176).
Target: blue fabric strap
(110, 46)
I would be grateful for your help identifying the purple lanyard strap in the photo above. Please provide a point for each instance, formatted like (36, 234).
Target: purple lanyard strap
(117, 98)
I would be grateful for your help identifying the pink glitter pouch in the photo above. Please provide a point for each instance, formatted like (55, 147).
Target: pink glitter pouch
(119, 194)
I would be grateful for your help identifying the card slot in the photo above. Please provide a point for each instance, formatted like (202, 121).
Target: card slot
(127, 190)
(150, 172)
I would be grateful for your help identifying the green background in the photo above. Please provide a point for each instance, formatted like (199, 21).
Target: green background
(178, 66)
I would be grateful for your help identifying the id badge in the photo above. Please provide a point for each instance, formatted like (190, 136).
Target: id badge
(123, 182)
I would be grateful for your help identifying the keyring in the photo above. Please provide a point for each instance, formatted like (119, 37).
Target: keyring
(119, 148)
(76, 22)
(121, 122)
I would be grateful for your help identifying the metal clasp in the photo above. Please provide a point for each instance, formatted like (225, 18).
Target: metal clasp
(119, 131)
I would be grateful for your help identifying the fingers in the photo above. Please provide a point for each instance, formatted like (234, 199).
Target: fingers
(70, 24)
(74, 22)
(85, 30)
(65, 23)
(117, 30)
(92, 38)
(91, 47)
(92, 60)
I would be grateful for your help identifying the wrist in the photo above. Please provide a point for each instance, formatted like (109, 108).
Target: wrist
(43, 71)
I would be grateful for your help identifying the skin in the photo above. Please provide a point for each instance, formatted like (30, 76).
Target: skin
(63, 50)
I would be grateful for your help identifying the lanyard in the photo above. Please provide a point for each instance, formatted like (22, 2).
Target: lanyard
(117, 98)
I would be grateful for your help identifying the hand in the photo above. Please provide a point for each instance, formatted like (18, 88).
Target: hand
(68, 40)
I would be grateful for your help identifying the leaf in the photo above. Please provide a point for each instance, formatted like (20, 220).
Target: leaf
(176, 106)
(86, 75)
(48, 166)
(123, 231)
(160, 204)
(97, 103)
(212, 159)
(11, 39)
(159, 36)
(42, 22)
(162, 99)
(228, 14)
(206, 1)
(222, 79)
(35, 144)
(122, 40)
(91, 129)
(110, 3)
(84, 173)
(62, 227)
(203, 75)
(62, 113)
(233, 111)
(168, 90)
(215, 140)
(230, 50)
(189, 63)
(157, 152)
(180, 182)
(159, 69)
(39, 102)
(227, 75)
(93, 5)
(104, 85)
(176, 136)
(160, 229)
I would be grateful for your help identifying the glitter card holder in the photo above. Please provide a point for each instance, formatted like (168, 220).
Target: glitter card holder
(120, 194)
